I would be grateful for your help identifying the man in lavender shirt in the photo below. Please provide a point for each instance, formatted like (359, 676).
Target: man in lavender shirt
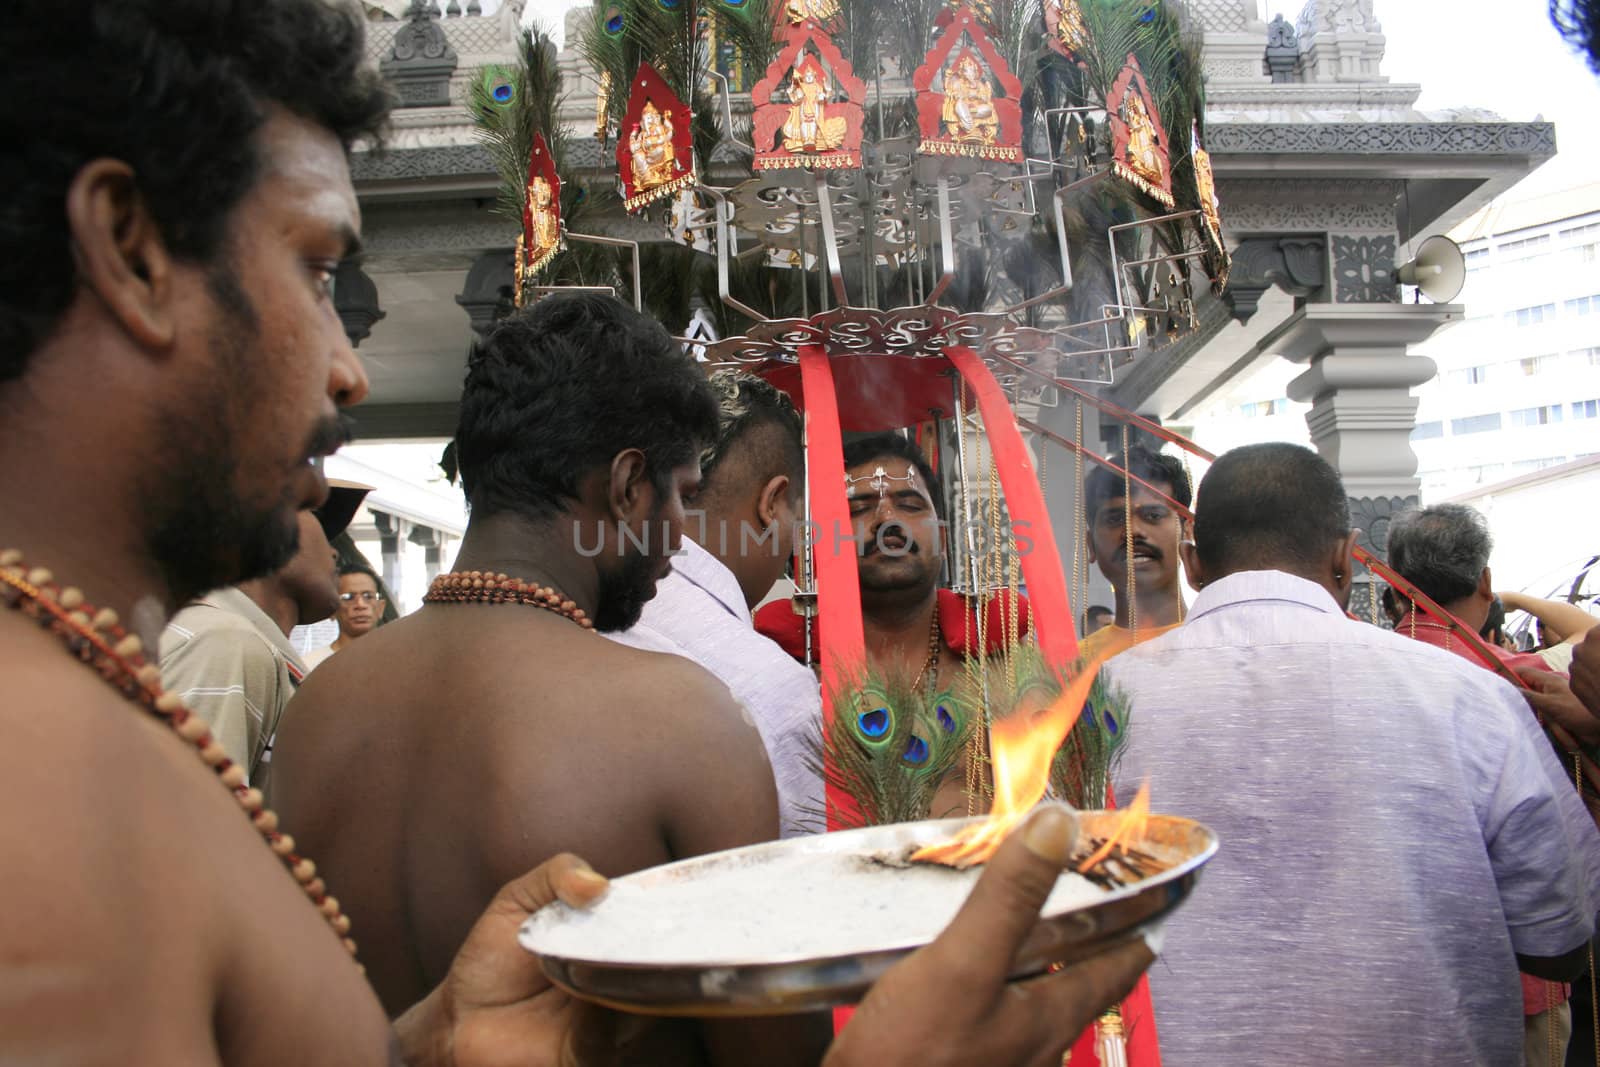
(1398, 838)
(749, 500)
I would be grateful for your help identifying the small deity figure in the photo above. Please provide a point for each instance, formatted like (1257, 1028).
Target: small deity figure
(1206, 186)
(1071, 30)
(1143, 157)
(545, 230)
(968, 112)
(798, 11)
(809, 128)
(651, 148)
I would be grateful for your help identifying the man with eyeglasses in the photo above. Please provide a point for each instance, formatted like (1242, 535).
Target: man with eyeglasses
(360, 610)
(227, 654)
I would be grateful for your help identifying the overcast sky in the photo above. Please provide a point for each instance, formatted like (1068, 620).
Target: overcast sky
(1502, 55)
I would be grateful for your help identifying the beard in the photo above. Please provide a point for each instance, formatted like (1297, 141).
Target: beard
(203, 533)
(623, 591)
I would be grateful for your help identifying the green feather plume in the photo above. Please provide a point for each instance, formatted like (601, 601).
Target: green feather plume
(890, 746)
(672, 36)
(1082, 767)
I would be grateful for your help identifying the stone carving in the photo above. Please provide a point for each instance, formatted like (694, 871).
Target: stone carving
(1372, 515)
(487, 294)
(1283, 205)
(1294, 264)
(1364, 270)
(1408, 138)
(355, 298)
(1220, 16)
(1283, 50)
(1337, 16)
(421, 62)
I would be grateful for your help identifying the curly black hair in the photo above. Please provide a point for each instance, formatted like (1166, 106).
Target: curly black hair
(1579, 23)
(560, 388)
(177, 89)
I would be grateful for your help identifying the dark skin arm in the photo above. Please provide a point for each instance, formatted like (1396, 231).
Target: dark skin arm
(1553, 698)
(1586, 671)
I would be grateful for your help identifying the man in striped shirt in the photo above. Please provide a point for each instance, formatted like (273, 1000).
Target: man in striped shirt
(228, 655)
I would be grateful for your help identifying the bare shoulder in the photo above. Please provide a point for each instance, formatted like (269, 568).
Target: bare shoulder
(719, 785)
(139, 863)
(73, 756)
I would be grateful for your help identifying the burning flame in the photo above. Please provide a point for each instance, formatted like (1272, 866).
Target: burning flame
(1134, 818)
(1022, 746)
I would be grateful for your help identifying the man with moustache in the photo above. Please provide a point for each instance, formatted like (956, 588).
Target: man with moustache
(1124, 516)
(360, 602)
(913, 629)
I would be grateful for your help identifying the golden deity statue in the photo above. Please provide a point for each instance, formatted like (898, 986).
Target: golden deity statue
(544, 228)
(651, 147)
(968, 112)
(809, 127)
(1206, 185)
(1071, 30)
(798, 11)
(1143, 157)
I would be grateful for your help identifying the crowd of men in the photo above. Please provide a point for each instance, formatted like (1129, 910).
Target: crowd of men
(1400, 840)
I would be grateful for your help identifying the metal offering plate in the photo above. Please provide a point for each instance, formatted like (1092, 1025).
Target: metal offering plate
(813, 922)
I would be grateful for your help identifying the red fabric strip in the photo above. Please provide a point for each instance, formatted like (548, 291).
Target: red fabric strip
(1041, 565)
(840, 640)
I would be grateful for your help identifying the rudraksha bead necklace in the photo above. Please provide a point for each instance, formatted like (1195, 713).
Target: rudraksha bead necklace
(478, 587)
(97, 638)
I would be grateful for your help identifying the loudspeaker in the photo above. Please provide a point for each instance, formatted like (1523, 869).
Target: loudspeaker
(1438, 270)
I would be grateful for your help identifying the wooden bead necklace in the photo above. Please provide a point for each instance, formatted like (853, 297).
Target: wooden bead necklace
(478, 587)
(98, 639)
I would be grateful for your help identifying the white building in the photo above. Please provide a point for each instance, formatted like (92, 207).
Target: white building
(1518, 388)
(1518, 383)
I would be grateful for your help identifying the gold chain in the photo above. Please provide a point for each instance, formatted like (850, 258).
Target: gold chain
(1127, 534)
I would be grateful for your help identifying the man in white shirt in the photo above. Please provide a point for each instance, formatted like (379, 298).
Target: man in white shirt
(750, 500)
(1398, 839)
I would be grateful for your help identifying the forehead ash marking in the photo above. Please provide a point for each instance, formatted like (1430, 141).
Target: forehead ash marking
(879, 481)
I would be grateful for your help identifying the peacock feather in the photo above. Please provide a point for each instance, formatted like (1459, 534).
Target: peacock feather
(675, 37)
(890, 746)
(510, 105)
(1081, 769)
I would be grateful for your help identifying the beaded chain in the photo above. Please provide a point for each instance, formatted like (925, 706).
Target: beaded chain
(932, 662)
(477, 587)
(96, 637)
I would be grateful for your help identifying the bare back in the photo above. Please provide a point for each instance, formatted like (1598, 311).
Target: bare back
(447, 753)
(147, 922)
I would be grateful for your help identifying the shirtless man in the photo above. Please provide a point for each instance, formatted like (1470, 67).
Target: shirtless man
(169, 360)
(911, 626)
(510, 733)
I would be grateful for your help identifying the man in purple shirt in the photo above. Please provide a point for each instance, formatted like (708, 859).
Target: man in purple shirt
(1398, 840)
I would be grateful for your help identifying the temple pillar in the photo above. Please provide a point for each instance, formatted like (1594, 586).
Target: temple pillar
(1358, 380)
